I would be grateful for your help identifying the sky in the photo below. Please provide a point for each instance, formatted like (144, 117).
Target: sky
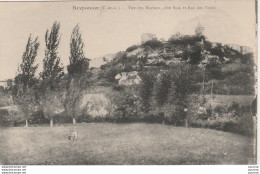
(109, 31)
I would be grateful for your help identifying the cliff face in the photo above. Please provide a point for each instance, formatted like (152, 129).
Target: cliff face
(95, 104)
(98, 101)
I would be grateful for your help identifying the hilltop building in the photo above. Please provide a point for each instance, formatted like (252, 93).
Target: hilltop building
(176, 36)
(240, 49)
(199, 31)
(148, 36)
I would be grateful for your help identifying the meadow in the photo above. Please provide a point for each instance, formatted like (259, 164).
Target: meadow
(122, 144)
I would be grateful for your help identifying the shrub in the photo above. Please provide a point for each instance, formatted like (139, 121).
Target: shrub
(153, 44)
(246, 125)
(128, 67)
(127, 109)
(243, 126)
(10, 118)
(219, 110)
(131, 48)
(38, 118)
(234, 107)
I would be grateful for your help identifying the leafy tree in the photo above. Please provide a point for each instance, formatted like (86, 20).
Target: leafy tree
(23, 92)
(28, 103)
(52, 68)
(74, 92)
(128, 108)
(131, 48)
(208, 62)
(163, 88)
(183, 79)
(78, 63)
(52, 104)
(77, 70)
(52, 73)
(146, 88)
(195, 54)
(27, 69)
(154, 44)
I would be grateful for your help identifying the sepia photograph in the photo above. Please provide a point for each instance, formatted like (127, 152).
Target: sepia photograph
(128, 83)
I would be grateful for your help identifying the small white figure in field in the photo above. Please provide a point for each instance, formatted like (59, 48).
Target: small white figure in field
(73, 135)
(225, 153)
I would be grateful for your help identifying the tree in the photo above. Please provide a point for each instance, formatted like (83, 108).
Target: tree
(163, 88)
(23, 92)
(78, 63)
(52, 73)
(52, 69)
(183, 79)
(52, 104)
(146, 88)
(77, 72)
(27, 69)
(73, 97)
(208, 62)
(28, 103)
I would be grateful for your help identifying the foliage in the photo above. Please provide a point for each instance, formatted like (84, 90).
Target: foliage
(27, 68)
(128, 67)
(77, 70)
(132, 48)
(28, 102)
(26, 71)
(111, 73)
(52, 70)
(24, 92)
(74, 94)
(153, 44)
(52, 103)
(186, 40)
(163, 85)
(243, 125)
(194, 55)
(78, 63)
(128, 109)
(10, 118)
(146, 88)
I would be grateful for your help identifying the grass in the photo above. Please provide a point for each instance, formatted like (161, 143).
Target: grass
(222, 100)
(107, 143)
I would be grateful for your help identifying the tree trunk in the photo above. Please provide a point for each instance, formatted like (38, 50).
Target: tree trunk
(186, 122)
(203, 83)
(51, 122)
(74, 121)
(26, 122)
(211, 91)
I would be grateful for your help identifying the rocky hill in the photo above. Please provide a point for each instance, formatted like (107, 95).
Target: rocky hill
(226, 64)
(97, 62)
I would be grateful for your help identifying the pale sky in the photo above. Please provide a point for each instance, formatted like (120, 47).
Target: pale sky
(110, 31)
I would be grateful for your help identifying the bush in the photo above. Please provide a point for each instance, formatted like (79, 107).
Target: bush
(131, 48)
(220, 110)
(127, 110)
(38, 118)
(234, 107)
(153, 44)
(243, 126)
(8, 118)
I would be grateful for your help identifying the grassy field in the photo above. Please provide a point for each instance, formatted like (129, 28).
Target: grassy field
(222, 100)
(107, 143)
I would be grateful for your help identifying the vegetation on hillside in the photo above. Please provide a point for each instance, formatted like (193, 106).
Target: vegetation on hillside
(170, 72)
